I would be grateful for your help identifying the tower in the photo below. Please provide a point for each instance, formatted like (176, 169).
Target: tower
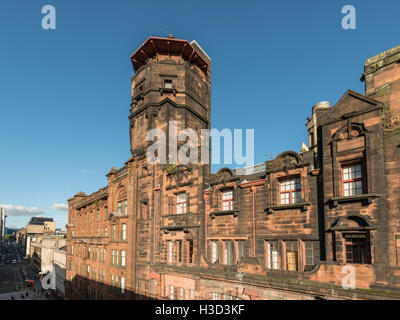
(172, 82)
(382, 78)
(171, 87)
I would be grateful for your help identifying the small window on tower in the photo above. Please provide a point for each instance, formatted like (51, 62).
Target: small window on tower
(168, 84)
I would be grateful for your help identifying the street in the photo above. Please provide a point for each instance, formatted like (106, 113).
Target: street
(12, 283)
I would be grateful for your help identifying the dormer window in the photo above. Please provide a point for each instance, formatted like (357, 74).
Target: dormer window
(227, 200)
(352, 179)
(290, 191)
(167, 84)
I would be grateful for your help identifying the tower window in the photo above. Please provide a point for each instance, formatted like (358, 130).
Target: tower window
(168, 84)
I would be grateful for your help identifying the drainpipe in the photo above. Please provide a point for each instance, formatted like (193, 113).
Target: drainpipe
(253, 191)
(205, 222)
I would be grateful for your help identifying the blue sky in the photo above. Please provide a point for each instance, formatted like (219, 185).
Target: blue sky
(65, 93)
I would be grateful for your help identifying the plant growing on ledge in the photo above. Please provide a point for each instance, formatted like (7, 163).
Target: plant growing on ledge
(170, 167)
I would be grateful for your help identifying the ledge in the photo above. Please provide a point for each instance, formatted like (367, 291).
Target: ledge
(234, 212)
(179, 185)
(167, 90)
(301, 205)
(176, 215)
(185, 228)
(368, 197)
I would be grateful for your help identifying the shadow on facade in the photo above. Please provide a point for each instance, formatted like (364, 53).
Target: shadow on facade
(83, 288)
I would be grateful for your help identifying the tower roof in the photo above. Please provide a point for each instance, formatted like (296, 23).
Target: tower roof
(170, 46)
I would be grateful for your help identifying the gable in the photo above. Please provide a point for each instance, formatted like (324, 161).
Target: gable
(350, 103)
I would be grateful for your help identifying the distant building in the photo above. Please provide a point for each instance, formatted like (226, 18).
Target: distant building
(2, 225)
(37, 226)
(59, 267)
(10, 231)
(60, 231)
(42, 251)
(20, 237)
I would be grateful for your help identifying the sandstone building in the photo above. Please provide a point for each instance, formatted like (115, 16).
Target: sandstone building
(284, 229)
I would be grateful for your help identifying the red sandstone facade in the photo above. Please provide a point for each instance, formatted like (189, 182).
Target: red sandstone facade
(281, 230)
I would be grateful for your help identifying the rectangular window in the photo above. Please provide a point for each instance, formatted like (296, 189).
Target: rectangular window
(123, 231)
(120, 207)
(98, 214)
(215, 296)
(352, 180)
(227, 200)
(181, 203)
(397, 238)
(116, 257)
(171, 292)
(112, 256)
(114, 231)
(123, 258)
(192, 297)
(170, 256)
(179, 250)
(105, 213)
(273, 254)
(122, 284)
(125, 207)
(228, 251)
(181, 294)
(190, 251)
(292, 255)
(88, 252)
(311, 254)
(168, 84)
(290, 191)
(112, 280)
(240, 250)
(357, 248)
(215, 252)
(105, 231)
